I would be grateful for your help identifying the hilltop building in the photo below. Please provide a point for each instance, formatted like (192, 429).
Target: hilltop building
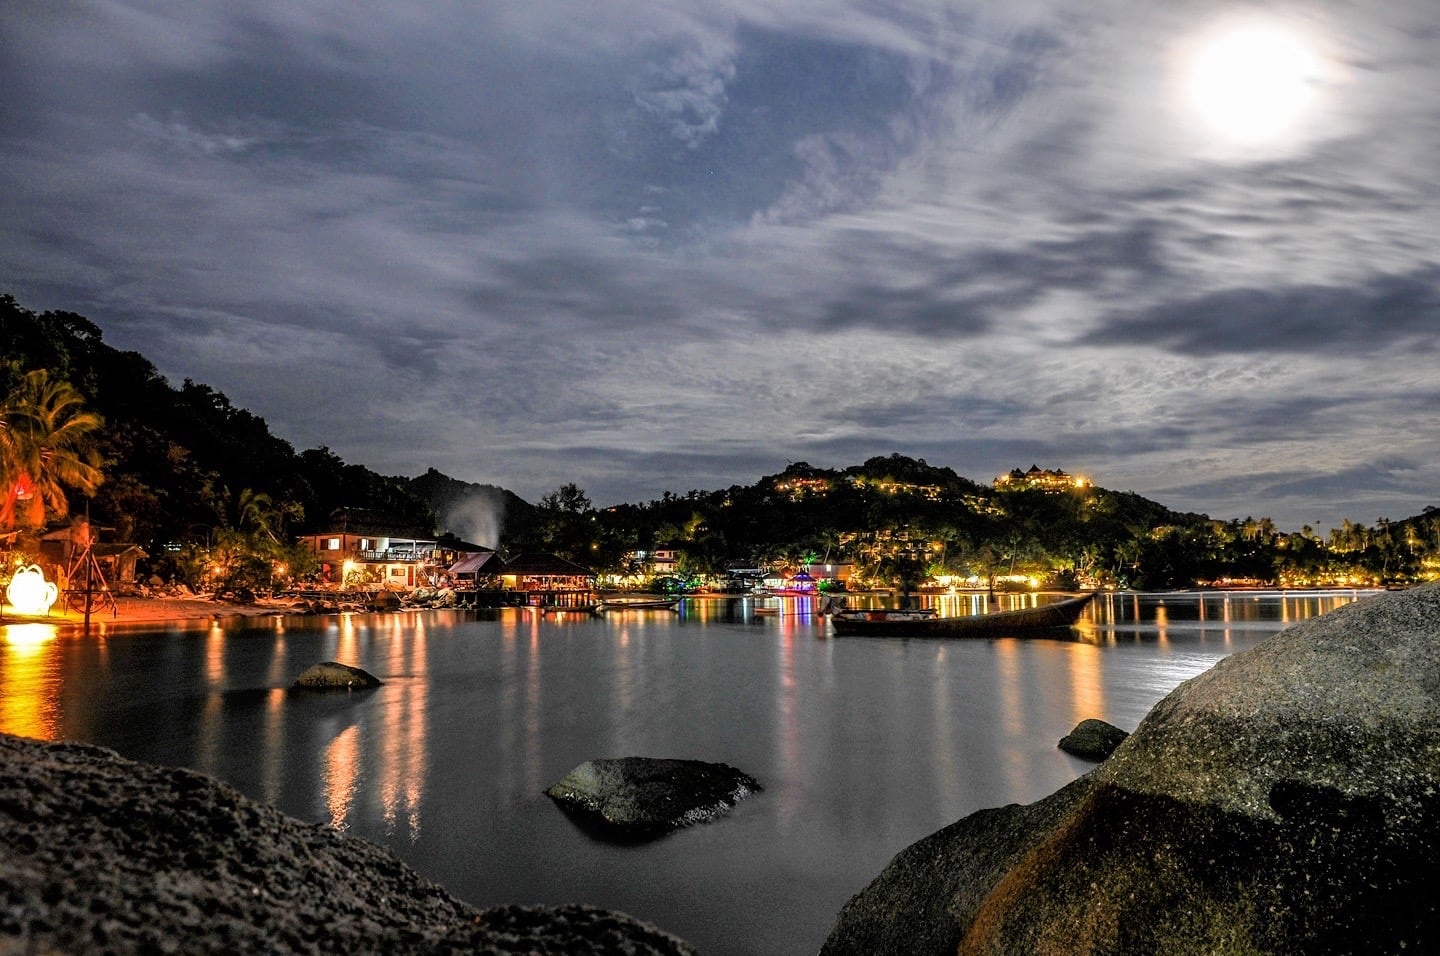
(1035, 478)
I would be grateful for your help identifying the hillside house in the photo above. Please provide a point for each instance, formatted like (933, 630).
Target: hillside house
(364, 549)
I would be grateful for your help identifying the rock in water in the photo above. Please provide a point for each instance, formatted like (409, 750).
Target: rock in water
(99, 854)
(1092, 739)
(331, 675)
(640, 795)
(1287, 800)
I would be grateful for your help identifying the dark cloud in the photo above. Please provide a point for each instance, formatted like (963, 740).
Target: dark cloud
(1380, 314)
(976, 292)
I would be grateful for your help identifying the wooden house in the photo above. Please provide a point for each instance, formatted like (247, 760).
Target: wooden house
(546, 573)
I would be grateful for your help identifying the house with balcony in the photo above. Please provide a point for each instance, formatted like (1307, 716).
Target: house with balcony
(362, 549)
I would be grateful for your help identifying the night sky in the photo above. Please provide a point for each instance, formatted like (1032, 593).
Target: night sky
(1188, 249)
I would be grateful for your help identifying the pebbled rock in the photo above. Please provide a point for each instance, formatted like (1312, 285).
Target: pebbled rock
(1287, 800)
(1092, 739)
(102, 854)
(331, 675)
(647, 795)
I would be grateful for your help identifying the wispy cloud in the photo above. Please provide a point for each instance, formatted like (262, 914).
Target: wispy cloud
(645, 247)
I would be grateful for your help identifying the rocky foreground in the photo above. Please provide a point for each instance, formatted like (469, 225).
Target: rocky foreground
(99, 854)
(1285, 801)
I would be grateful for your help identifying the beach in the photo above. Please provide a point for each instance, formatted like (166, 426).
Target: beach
(147, 611)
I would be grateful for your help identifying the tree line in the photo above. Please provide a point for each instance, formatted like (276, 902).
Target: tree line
(206, 490)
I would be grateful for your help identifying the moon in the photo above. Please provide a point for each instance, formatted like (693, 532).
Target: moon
(1251, 82)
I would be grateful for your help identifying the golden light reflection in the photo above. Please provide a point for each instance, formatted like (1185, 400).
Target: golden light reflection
(404, 747)
(215, 656)
(273, 769)
(1086, 682)
(30, 681)
(342, 775)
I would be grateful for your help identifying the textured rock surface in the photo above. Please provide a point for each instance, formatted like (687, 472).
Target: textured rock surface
(1285, 801)
(648, 795)
(101, 854)
(334, 675)
(1092, 739)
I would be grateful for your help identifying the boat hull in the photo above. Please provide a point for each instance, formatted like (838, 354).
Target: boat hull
(664, 604)
(1058, 614)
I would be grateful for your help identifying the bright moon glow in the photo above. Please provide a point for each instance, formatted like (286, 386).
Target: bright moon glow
(1252, 82)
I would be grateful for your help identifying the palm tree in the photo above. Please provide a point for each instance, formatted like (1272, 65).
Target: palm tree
(47, 443)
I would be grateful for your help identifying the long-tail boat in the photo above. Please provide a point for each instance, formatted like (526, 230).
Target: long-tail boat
(884, 623)
(638, 604)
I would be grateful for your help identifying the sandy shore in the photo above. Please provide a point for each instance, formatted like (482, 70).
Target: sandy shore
(148, 610)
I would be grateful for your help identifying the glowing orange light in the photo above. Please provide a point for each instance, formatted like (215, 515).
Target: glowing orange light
(29, 592)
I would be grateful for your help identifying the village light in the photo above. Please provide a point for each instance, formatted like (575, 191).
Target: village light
(29, 592)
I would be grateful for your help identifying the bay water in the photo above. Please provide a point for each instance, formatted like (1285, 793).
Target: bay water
(862, 745)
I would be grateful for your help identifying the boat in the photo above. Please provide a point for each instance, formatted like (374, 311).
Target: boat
(884, 615)
(639, 604)
(567, 608)
(1052, 616)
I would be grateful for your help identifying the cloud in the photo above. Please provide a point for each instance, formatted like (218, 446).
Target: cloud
(686, 91)
(644, 246)
(1383, 314)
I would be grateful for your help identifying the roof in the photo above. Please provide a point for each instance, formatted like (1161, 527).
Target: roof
(472, 563)
(546, 564)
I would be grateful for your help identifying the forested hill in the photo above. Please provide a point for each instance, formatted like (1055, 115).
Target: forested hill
(182, 461)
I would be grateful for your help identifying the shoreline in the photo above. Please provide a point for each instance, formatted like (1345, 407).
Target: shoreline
(182, 611)
(147, 611)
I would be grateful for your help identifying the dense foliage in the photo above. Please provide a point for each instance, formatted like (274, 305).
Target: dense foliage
(201, 484)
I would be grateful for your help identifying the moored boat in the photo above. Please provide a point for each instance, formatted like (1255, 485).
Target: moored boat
(1057, 614)
(884, 615)
(639, 604)
(567, 608)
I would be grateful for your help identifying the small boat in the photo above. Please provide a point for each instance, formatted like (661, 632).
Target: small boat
(1057, 614)
(884, 614)
(568, 608)
(639, 604)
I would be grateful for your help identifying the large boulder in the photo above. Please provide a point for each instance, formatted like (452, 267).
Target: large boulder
(333, 675)
(645, 795)
(1287, 800)
(101, 854)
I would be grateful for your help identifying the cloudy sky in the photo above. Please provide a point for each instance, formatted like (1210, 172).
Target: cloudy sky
(1191, 249)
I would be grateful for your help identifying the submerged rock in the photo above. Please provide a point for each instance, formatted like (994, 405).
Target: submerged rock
(102, 854)
(335, 675)
(647, 795)
(1287, 800)
(1092, 739)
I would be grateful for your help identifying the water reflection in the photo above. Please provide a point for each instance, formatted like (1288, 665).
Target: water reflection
(404, 746)
(30, 680)
(341, 775)
(1087, 688)
(863, 746)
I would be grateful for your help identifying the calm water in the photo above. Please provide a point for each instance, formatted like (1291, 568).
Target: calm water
(863, 745)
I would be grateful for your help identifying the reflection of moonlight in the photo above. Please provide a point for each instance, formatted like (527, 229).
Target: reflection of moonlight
(1251, 81)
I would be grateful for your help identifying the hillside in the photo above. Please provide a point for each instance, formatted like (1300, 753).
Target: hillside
(187, 470)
